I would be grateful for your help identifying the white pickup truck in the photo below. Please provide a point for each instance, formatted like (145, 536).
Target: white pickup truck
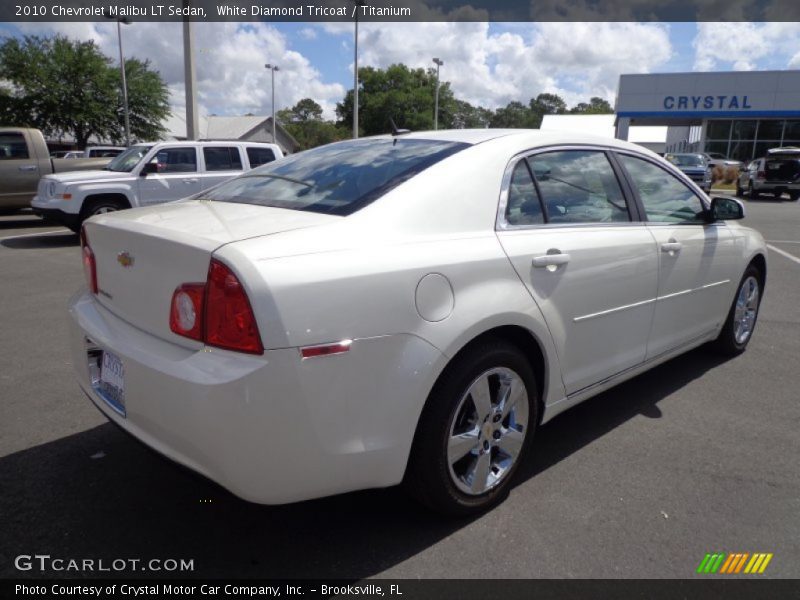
(146, 174)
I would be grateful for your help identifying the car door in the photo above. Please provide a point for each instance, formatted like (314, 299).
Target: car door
(175, 175)
(220, 163)
(697, 259)
(19, 170)
(587, 261)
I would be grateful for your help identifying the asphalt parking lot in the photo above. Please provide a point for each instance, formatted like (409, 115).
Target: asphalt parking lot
(699, 455)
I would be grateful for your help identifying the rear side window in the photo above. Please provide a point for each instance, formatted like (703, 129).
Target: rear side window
(579, 186)
(225, 158)
(259, 156)
(336, 179)
(176, 160)
(523, 207)
(12, 145)
(665, 198)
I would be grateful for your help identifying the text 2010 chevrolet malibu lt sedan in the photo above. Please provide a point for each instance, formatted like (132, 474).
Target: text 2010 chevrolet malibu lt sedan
(403, 309)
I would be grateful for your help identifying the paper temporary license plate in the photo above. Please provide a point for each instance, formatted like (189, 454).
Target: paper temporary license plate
(112, 381)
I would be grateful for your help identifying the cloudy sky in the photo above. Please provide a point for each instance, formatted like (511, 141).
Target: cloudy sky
(486, 64)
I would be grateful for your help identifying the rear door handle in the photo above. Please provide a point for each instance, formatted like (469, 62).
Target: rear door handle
(28, 168)
(550, 260)
(671, 246)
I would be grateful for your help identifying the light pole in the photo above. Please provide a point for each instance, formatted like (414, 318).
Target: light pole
(359, 4)
(273, 68)
(119, 21)
(439, 63)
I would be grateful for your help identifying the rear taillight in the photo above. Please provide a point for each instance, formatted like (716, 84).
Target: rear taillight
(217, 313)
(89, 264)
(761, 175)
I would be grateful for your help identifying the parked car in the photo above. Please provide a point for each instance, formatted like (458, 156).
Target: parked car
(24, 158)
(110, 151)
(695, 166)
(147, 174)
(717, 159)
(776, 174)
(403, 309)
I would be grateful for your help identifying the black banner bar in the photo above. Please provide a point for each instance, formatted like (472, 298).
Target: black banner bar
(729, 588)
(401, 10)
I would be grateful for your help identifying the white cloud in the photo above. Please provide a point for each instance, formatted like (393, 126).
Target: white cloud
(742, 45)
(308, 33)
(575, 60)
(229, 61)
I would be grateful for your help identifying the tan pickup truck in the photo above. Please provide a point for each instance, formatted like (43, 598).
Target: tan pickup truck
(24, 158)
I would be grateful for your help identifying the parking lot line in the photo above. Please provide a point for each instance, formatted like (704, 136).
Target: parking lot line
(783, 253)
(782, 242)
(25, 235)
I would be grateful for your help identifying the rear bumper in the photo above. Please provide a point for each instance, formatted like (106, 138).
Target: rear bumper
(776, 186)
(272, 428)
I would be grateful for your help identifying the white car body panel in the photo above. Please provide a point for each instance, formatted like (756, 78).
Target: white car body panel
(411, 279)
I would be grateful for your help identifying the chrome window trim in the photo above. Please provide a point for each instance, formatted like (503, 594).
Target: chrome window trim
(502, 225)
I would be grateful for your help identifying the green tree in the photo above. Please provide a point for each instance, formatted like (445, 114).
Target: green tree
(595, 106)
(399, 93)
(304, 121)
(515, 115)
(466, 116)
(63, 86)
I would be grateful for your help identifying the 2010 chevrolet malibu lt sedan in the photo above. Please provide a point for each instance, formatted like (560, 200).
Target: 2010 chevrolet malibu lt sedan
(403, 308)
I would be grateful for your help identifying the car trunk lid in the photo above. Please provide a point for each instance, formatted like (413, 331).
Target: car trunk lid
(143, 255)
(784, 169)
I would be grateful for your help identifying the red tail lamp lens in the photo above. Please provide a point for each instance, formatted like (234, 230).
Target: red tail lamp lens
(89, 264)
(229, 319)
(186, 312)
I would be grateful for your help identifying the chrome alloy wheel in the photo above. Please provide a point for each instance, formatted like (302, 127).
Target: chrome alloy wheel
(487, 431)
(746, 310)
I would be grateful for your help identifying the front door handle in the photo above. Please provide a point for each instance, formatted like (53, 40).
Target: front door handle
(27, 168)
(550, 260)
(190, 180)
(671, 247)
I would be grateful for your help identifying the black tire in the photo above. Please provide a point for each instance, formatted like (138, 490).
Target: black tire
(727, 343)
(97, 207)
(429, 477)
(793, 196)
(778, 195)
(739, 190)
(751, 192)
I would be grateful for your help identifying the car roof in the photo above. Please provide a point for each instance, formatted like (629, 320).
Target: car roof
(522, 138)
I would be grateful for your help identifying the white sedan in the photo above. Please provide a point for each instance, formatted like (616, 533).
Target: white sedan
(403, 309)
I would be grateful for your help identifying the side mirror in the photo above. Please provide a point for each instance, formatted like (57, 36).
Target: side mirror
(725, 209)
(151, 167)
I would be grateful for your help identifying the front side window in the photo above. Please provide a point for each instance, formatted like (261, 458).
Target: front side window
(222, 158)
(666, 199)
(336, 179)
(176, 160)
(12, 145)
(579, 186)
(523, 206)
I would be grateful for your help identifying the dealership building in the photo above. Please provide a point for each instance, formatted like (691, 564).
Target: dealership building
(738, 114)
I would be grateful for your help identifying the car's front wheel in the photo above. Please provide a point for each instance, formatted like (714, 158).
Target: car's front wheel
(752, 193)
(743, 314)
(739, 190)
(474, 431)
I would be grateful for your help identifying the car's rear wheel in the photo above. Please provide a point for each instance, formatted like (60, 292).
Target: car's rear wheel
(743, 314)
(474, 431)
(751, 192)
(793, 196)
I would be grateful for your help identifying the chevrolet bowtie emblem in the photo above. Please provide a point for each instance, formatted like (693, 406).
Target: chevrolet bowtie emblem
(125, 259)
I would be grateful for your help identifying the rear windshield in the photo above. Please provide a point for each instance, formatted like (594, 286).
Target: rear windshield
(336, 179)
(783, 168)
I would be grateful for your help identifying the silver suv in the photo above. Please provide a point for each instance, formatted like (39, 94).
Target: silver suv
(776, 174)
